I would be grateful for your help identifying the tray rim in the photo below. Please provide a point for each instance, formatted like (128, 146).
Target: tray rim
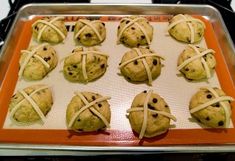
(36, 149)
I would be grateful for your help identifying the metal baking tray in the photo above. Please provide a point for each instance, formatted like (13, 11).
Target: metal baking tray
(28, 12)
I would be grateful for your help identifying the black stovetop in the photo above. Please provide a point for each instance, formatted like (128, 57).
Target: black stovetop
(222, 5)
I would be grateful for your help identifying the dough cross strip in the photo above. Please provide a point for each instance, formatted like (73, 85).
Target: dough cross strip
(187, 20)
(197, 56)
(134, 21)
(31, 101)
(30, 54)
(217, 99)
(145, 109)
(50, 24)
(88, 105)
(143, 58)
(90, 24)
(84, 57)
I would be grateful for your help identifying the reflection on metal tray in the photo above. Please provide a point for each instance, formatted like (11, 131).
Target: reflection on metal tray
(30, 11)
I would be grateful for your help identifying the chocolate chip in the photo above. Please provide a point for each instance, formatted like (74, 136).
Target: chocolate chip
(45, 48)
(78, 38)
(216, 105)
(73, 51)
(13, 95)
(78, 120)
(100, 105)
(154, 62)
(118, 27)
(229, 101)
(70, 73)
(166, 106)
(88, 35)
(209, 96)
(75, 66)
(132, 28)
(103, 24)
(136, 62)
(67, 27)
(186, 69)
(73, 28)
(36, 28)
(119, 63)
(199, 34)
(154, 100)
(150, 107)
(155, 115)
(220, 123)
(127, 21)
(47, 58)
(142, 37)
(138, 44)
(93, 97)
(128, 78)
(102, 66)
(207, 118)
(144, 91)
(80, 129)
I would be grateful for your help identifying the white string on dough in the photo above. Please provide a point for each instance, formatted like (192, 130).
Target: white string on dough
(217, 99)
(145, 109)
(50, 24)
(30, 54)
(143, 58)
(89, 106)
(134, 21)
(31, 101)
(198, 56)
(187, 20)
(91, 25)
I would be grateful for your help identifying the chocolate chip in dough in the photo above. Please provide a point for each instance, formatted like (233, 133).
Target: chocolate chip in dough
(142, 37)
(155, 115)
(88, 35)
(220, 123)
(136, 62)
(127, 21)
(93, 98)
(102, 66)
(151, 107)
(100, 105)
(154, 62)
(209, 96)
(207, 118)
(144, 91)
(155, 100)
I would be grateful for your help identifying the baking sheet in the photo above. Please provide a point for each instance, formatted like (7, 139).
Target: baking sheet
(176, 90)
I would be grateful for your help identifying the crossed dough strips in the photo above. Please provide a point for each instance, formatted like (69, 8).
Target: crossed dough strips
(198, 56)
(187, 20)
(30, 54)
(142, 56)
(89, 105)
(89, 24)
(84, 58)
(134, 21)
(31, 101)
(51, 25)
(217, 99)
(145, 109)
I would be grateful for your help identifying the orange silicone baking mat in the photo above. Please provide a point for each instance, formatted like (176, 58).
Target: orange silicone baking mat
(182, 134)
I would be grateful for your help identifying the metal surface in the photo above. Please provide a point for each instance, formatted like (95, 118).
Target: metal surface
(29, 11)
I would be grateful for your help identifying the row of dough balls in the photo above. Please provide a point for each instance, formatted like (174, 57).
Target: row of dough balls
(149, 114)
(133, 31)
(137, 65)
